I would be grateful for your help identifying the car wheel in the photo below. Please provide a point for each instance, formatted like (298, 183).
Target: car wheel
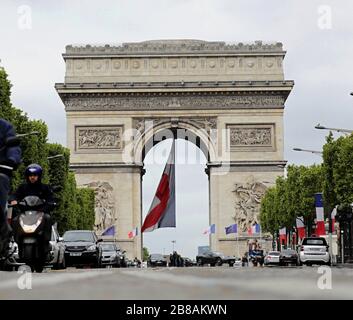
(63, 263)
(219, 262)
(39, 267)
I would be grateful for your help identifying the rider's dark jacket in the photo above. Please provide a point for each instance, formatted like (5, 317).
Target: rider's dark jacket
(9, 156)
(41, 190)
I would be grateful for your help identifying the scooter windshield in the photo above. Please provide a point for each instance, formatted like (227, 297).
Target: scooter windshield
(33, 201)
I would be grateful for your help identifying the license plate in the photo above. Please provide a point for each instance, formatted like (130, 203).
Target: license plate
(75, 254)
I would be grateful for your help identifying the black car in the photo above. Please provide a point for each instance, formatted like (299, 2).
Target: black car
(156, 260)
(122, 254)
(288, 256)
(187, 262)
(82, 248)
(110, 255)
(214, 258)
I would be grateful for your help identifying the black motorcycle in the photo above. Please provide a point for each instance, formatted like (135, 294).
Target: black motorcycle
(29, 231)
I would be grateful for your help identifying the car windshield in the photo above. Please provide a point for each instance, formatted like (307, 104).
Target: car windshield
(78, 236)
(108, 247)
(273, 253)
(156, 256)
(315, 242)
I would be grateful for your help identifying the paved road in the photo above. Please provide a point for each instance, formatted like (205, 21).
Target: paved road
(227, 283)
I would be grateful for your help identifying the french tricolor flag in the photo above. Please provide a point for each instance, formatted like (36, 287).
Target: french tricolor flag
(133, 233)
(254, 229)
(283, 236)
(211, 229)
(320, 221)
(300, 227)
(162, 210)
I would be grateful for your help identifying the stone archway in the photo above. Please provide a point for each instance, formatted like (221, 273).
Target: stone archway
(229, 95)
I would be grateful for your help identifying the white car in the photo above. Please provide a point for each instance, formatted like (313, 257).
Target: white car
(272, 258)
(314, 250)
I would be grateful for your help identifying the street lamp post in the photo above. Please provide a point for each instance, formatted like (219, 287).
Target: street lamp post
(319, 126)
(56, 156)
(306, 150)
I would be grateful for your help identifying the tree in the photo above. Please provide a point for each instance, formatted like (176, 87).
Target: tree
(34, 149)
(269, 218)
(291, 197)
(75, 206)
(329, 159)
(85, 200)
(145, 254)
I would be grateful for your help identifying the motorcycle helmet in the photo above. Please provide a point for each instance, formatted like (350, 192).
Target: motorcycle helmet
(34, 170)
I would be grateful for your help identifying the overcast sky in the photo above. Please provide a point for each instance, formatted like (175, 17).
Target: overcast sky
(317, 36)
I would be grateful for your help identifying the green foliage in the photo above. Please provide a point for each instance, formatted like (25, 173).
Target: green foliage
(338, 170)
(291, 197)
(75, 206)
(269, 218)
(85, 200)
(145, 254)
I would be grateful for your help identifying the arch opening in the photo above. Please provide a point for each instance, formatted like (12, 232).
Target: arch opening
(192, 217)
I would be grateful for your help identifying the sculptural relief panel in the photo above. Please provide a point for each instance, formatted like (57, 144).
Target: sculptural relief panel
(105, 215)
(251, 137)
(247, 200)
(92, 138)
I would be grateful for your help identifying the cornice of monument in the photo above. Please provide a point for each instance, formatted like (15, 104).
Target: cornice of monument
(174, 47)
(285, 85)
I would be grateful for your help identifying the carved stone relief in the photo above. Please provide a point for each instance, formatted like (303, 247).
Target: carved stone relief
(248, 196)
(120, 102)
(105, 215)
(205, 123)
(250, 137)
(99, 138)
(247, 136)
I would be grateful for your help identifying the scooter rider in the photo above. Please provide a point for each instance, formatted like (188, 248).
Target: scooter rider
(10, 158)
(35, 187)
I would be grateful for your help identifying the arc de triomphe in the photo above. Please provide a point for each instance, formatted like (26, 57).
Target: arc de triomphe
(226, 98)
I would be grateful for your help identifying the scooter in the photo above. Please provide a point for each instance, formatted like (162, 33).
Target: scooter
(29, 233)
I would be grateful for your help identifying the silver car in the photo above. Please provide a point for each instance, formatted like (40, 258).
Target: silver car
(314, 250)
(57, 251)
(272, 258)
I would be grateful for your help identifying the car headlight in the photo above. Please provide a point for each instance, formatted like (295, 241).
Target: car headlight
(91, 248)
